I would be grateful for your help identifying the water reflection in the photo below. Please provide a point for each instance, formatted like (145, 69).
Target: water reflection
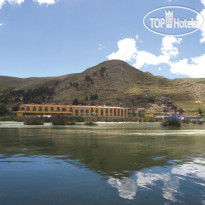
(126, 187)
(171, 178)
(134, 159)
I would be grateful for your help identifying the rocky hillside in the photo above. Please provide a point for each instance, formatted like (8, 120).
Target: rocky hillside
(112, 82)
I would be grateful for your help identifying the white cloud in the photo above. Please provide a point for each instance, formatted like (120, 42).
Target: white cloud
(194, 69)
(15, 1)
(145, 58)
(168, 50)
(45, 1)
(168, 47)
(203, 26)
(2, 2)
(101, 47)
(170, 189)
(126, 50)
(195, 169)
(126, 187)
(145, 180)
(200, 19)
(168, 182)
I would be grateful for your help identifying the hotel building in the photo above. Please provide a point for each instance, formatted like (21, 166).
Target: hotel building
(48, 110)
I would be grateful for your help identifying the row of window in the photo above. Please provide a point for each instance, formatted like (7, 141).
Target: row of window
(58, 109)
(113, 112)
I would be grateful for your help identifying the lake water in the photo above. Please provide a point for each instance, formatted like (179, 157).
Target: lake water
(112, 163)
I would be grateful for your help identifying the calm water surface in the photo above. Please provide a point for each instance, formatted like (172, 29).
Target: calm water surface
(112, 163)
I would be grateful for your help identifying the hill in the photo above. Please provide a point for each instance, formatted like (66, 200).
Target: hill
(112, 83)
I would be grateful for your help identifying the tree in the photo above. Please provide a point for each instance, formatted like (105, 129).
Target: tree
(95, 73)
(87, 78)
(174, 107)
(181, 111)
(92, 81)
(75, 84)
(75, 101)
(86, 98)
(200, 112)
(94, 97)
(102, 71)
(15, 107)
(3, 109)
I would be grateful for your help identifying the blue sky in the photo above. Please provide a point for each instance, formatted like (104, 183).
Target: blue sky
(52, 38)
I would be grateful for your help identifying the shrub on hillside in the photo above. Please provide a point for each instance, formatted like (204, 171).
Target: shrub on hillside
(171, 123)
(63, 120)
(33, 121)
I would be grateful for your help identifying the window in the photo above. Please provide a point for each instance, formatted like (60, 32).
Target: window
(92, 110)
(34, 108)
(106, 112)
(27, 108)
(40, 109)
(114, 112)
(46, 109)
(52, 108)
(82, 111)
(22, 109)
(76, 111)
(63, 109)
(101, 112)
(58, 109)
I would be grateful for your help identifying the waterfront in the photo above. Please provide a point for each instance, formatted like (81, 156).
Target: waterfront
(112, 163)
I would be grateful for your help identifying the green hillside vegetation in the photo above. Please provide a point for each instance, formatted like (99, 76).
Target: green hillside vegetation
(112, 83)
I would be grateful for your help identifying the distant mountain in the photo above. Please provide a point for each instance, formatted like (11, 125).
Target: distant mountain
(112, 82)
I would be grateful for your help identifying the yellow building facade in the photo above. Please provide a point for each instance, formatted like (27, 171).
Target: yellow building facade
(47, 110)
